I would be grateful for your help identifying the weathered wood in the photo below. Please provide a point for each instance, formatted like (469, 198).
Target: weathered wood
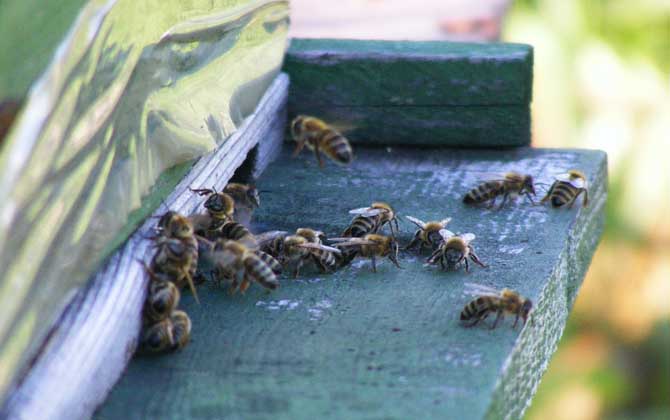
(134, 89)
(85, 355)
(378, 83)
(356, 344)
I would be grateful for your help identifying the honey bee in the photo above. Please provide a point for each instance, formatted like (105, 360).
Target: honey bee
(297, 249)
(162, 298)
(319, 137)
(177, 259)
(500, 302)
(238, 232)
(172, 333)
(220, 209)
(428, 233)
(567, 188)
(372, 246)
(512, 184)
(181, 329)
(454, 250)
(324, 260)
(240, 266)
(245, 195)
(371, 220)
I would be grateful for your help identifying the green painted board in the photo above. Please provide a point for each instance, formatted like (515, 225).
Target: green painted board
(356, 344)
(460, 126)
(378, 83)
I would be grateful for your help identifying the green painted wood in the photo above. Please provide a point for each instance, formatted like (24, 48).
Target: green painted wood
(375, 82)
(459, 126)
(356, 344)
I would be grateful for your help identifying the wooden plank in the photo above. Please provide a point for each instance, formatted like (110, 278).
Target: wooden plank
(356, 344)
(378, 84)
(134, 89)
(96, 336)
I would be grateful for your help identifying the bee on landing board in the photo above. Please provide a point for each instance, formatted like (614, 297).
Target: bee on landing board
(512, 184)
(162, 298)
(371, 220)
(170, 334)
(177, 250)
(566, 189)
(220, 209)
(454, 250)
(489, 301)
(371, 246)
(321, 138)
(428, 232)
(297, 249)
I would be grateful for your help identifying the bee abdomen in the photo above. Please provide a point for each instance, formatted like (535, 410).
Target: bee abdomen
(360, 226)
(270, 261)
(563, 193)
(483, 192)
(338, 147)
(474, 309)
(260, 272)
(181, 329)
(162, 299)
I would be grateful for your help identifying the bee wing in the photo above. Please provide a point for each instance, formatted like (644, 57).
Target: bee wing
(476, 289)
(355, 242)
(574, 181)
(310, 245)
(445, 222)
(468, 237)
(417, 222)
(446, 234)
(267, 237)
(366, 211)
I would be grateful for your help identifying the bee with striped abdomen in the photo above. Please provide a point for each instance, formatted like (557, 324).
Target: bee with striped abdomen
(238, 232)
(371, 246)
(512, 184)
(172, 333)
(324, 260)
(489, 301)
(162, 298)
(566, 189)
(371, 220)
(428, 232)
(321, 138)
(454, 250)
(304, 246)
(239, 265)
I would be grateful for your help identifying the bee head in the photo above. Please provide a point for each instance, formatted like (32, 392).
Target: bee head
(220, 203)
(180, 227)
(525, 309)
(528, 184)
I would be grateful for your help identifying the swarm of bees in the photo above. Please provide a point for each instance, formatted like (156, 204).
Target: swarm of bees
(214, 246)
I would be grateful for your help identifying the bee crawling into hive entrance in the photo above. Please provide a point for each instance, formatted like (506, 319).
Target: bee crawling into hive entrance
(489, 300)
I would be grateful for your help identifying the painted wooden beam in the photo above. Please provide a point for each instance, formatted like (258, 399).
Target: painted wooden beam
(96, 336)
(441, 90)
(389, 344)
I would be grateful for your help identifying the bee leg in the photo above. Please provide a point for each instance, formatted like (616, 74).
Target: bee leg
(497, 321)
(586, 197)
(413, 242)
(244, 285)
(296, 273)
(476, 259)
(374, 265)
(298, 148)
(515, 321)
(317, 153)
(467, 266)
(191, 285)
(444, 268)
(551, 190)
(504, 200)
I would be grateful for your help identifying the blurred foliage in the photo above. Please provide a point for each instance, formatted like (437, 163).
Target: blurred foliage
(602, 80)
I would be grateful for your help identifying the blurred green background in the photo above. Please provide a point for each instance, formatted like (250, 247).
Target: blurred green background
(602, 81)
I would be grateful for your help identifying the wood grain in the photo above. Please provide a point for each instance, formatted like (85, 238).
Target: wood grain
(357, 344)
(96, 336)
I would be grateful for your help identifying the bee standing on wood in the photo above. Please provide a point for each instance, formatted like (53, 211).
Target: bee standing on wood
(177, 254)
(567, 188)
(172, 333)
(321, 138)
(162, 298)
(428, 233)
(489, 301)
(512, 184)
(371, 220)
(325, 260)
(220, 209)
(371, 246)
(454, 250)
